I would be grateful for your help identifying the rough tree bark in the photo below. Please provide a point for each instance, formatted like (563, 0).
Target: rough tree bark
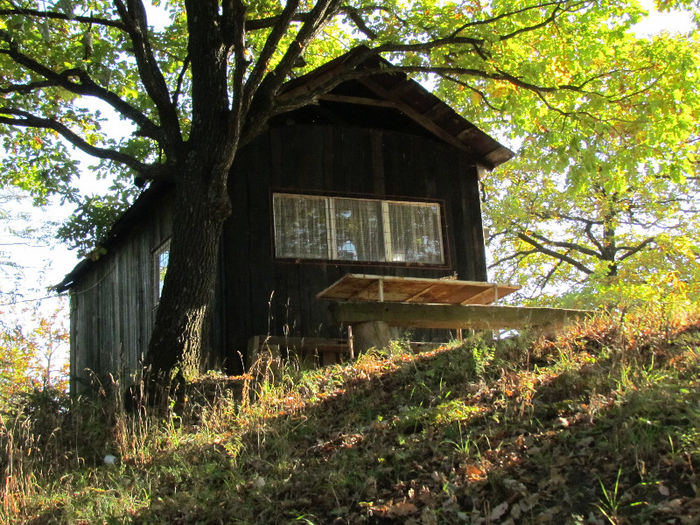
(177, 337)
(201, 198)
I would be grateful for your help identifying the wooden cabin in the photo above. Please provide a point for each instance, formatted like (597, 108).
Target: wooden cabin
(378, 177)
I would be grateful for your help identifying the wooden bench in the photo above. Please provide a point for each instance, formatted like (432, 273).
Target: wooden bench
(312, 350)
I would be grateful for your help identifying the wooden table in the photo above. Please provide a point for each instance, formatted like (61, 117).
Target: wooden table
(370, 301)
(373, 303)
(413, 290)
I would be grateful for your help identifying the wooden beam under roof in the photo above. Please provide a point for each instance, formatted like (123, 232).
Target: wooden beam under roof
(401, 87)
(468, 132)
(362, 101)
(418, 117)
(437, 111)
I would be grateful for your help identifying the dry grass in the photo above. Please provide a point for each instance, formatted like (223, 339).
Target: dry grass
(598, 426)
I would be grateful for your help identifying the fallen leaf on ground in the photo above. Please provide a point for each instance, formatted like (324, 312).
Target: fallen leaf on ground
(401, 509)
(499, 511)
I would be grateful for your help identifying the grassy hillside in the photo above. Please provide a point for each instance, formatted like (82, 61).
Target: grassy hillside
(599, 426)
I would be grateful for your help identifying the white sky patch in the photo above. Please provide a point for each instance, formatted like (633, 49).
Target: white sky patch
(672, 21)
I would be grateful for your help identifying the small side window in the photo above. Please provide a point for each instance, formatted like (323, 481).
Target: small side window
(160, 267)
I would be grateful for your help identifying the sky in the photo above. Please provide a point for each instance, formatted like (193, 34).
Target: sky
(44, 262)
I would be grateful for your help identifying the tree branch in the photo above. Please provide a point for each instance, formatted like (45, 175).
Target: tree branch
(516, 255)
(134, 19)
(270, 46)
(209, 58)
(62, 16)
(266, 23)
(630, 251)
(180, 79)
(491, 20)
(592, 238)
(86, 87)
(551, 18)
(561, 256)
(567, 217)
(321, 12)
(550, 274)
(26, 88)
(354, 15)
(235, 12)
(471, 88)
(263, 103)
(497, 75)
(427, 46)
(567, 245)
(27, 120)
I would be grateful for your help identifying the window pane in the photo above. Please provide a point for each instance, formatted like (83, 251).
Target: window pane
(160, 267)
(358, 231)
(300, 227)
(415, 232)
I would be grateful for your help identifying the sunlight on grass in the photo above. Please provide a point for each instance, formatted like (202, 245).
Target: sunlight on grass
(598, 425)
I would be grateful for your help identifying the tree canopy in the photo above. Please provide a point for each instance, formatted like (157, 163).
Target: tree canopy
(610, 197)
(567, 78)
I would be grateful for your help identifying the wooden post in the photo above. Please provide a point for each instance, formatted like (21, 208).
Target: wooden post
(253, 349)
(373, 334)
(351, 342)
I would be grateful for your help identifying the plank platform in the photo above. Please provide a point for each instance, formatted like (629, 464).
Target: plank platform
(452, 316)
(414, 290)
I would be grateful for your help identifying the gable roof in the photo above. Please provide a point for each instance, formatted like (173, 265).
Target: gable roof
(393, 89)
(390, 90)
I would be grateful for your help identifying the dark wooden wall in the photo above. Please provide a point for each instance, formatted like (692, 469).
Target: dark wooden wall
(112, 304)
(259, 295)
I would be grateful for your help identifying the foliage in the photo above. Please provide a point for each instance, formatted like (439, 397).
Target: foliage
(203, 78)
(608, 198)
(600, 423)
(32, 358)
(92, 220)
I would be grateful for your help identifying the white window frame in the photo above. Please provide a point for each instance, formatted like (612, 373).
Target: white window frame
(384, 216)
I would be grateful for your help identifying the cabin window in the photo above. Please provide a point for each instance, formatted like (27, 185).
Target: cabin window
(347, 229)
(160, 267)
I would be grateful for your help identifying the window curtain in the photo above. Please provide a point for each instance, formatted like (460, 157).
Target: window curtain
(358, 231)
(415, 233)
(372, 230)
(301, 229)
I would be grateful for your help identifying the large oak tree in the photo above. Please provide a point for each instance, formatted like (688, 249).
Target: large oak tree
(203, 83)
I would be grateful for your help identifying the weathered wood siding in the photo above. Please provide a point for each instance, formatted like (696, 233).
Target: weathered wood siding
(261, 295)
(112, 305)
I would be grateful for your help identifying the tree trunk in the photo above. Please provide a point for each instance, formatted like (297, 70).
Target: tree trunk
(201, 206)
